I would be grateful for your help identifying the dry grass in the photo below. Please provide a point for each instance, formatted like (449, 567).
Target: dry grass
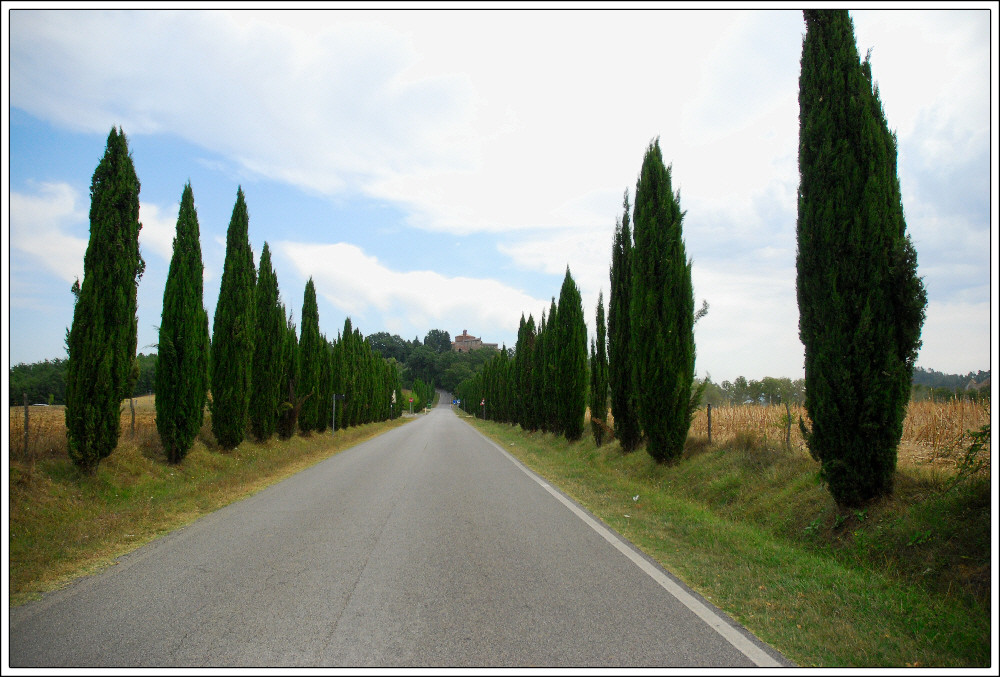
(934, 433)
(47, 430)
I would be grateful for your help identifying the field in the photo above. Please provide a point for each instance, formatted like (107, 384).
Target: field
(47, 430)
(933, 433)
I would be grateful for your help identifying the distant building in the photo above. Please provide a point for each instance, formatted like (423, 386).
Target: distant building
(466, 343)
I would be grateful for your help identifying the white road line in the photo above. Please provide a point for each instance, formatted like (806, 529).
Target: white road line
(759, 657)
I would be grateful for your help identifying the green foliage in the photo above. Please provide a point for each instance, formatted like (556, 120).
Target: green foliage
(102, 339)
(861, 304)
(266, 392)
(524, 358)
(662, 312)
(291, 405)
(233, 333)
(599, 378)
(365, 379)
(571, 362)
(182, 351)
(40, 381)
(621, 370)
(438, 341)
(543, 384)
(310, 358)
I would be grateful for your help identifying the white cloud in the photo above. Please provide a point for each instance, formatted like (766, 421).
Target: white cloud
(956, 337)
(42, 224)
(159, 226)
(752, 324)
(356, 282)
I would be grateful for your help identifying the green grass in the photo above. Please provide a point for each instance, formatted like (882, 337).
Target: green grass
(64, 524)
(905, 582)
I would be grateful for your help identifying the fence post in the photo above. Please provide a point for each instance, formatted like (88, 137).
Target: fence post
(788, 425)
(25, 425)
(709, 422)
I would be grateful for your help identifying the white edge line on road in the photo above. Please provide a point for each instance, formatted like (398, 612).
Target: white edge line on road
(759, 657)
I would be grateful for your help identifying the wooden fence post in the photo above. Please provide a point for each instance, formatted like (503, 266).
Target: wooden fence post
(788, 425)
(709, 422)
(26, 426)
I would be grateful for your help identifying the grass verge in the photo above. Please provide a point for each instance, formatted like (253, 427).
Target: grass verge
(64, 524)
(906, 582)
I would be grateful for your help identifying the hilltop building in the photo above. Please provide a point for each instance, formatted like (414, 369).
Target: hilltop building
(466, 343)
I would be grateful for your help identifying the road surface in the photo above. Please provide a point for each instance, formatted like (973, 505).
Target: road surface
(426, 546)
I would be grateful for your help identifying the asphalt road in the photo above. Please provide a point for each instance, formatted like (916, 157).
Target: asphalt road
(426, 546)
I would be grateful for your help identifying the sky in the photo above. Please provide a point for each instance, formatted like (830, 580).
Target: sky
(441, 169)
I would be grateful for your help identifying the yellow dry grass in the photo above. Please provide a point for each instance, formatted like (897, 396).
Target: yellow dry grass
(47, 429)
(934, 433)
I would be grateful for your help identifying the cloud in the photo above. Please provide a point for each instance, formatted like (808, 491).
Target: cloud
(321, 109)
(356, 282)
(956, 337)
(42, 224)
(159, 226)
(752, 324)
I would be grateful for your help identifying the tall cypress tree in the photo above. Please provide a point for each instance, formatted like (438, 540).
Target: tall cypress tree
(551, 392)
(538, 377)
(309, 360)
(266, 395)
(290, 405)
(182, 351)
(662, 312)
(324, 410)
(102, 339)
(571, 360)
(599, 377)
(620, 367)
(233, 333)
(861, 303)
(524, 358)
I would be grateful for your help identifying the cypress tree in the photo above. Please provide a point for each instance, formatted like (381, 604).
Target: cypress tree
(861, 304)
(291, 404)
(538, 374)
(571, 361)
(309, 360)
(266, 394)
(599, 377)
(102, 339)
(182, 351)
(523, 362)
(551, 391)
(324, 411)
(233, 333)
(620, 367)
(662, 312)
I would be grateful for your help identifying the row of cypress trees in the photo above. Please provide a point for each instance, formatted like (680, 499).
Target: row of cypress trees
(861, 302)
(644, 356)
(544, 385)
(264, 378)
(256, 375)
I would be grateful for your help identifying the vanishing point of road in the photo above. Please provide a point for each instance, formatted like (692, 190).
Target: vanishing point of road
(428, 545)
